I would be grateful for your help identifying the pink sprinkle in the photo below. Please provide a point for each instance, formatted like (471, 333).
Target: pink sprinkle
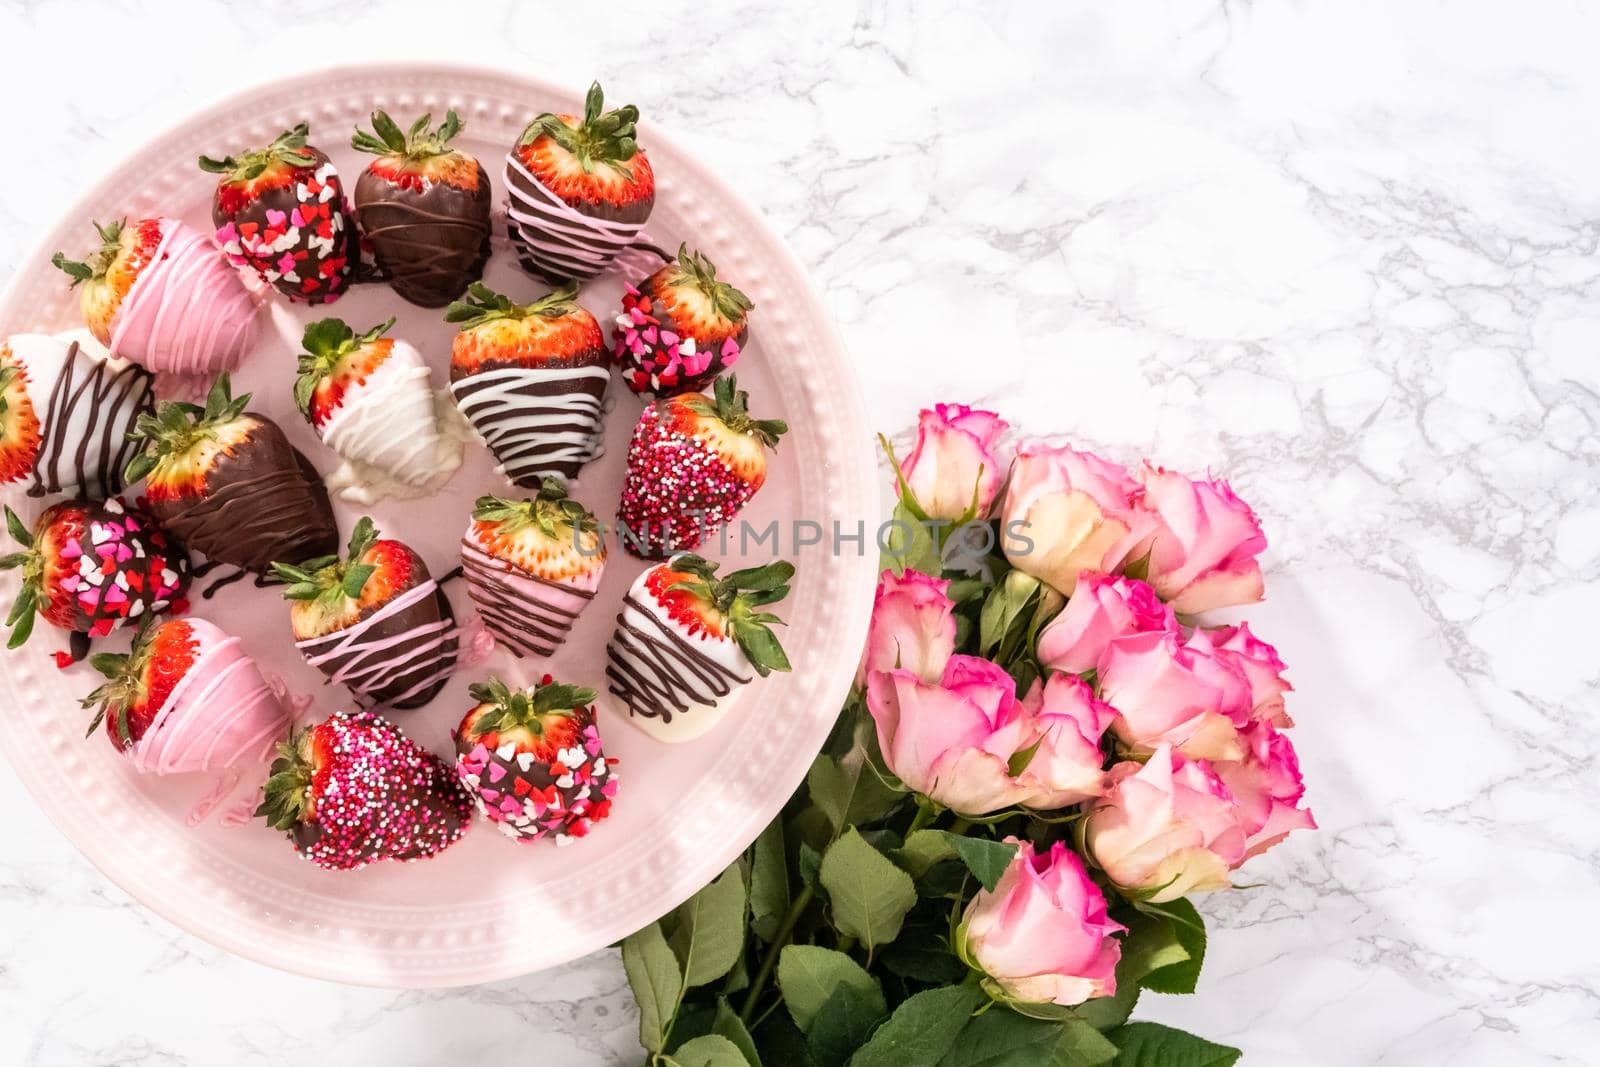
(496, 772)
(276, 218)
(668, 337)
(71, 550)
(480, 752)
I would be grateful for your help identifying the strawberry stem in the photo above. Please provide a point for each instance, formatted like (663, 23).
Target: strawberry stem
(289, 148)
(607, 137)
(418, 143)
(483, 305)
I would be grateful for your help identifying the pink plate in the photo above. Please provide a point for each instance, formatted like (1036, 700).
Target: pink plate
(488, 908)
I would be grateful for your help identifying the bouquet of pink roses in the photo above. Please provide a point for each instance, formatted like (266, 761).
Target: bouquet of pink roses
(1046, 753)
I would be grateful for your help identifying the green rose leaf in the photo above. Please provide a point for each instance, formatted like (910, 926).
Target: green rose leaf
(1151, 944)
(1190, 931)
(808, 974)
(985, 858)
(727, 1024)
(709, 1050)
(848, 791)
(923, 955)
(1002, 1038)
(921, 1030)
(706, 932)
(869, 894)
(653, 975)
(842, 1023)
(769, 882)
(1153, 1045)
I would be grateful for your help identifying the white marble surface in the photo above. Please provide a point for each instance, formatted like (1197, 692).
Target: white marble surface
(1344, 253)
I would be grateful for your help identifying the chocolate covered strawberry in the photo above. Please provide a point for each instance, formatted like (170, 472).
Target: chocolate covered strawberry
(89, 567)
(354, 790)
(532, 566)
(280, 211)
(533, 760)
(580, 190)
(227, 482)
(424, 206)
(693, 463)
(374, 621)
(686, 640)
(65, 412)
(370, 398)
(155, 291)
(680, 327)
(531, 378)
(185, 698)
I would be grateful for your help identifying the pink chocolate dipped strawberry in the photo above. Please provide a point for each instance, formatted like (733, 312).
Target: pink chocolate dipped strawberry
(157, 292)
(533, 760)
(90, 567)
(532, 566)
(680, 327)
(694, 461)
(185, 698)
(281, 212)
(354, 790)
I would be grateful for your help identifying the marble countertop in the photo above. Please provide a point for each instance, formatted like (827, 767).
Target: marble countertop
(1342, 253)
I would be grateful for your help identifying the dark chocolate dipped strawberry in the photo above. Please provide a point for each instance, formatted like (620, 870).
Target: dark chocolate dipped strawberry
(229, 484)
(687, 639)
(374, 621)
(533, 760)
(424, 206)
(579, 190)
(694, 461)
(281, 212)
(680, 327)
(89, 567)
(531, 378)
(532, 566)
(354, 790)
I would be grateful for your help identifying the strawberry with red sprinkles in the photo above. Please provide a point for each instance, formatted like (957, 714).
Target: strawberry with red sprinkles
(533, 760)
(354, 790)
(694, 462)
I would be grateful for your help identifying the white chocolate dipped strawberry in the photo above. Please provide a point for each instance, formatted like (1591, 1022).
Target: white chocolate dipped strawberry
(65, 411)
(370, 399)
(532, 566)
(687, 641)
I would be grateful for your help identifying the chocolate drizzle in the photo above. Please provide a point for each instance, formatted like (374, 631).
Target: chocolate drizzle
(114, 400)
(431, 243)
(400, 656)
(658, 673)
(263, 502)
(525, 622)
(540, 422)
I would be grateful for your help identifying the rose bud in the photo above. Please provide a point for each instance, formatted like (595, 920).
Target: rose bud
(1168, 691)
(1267, 788)
(1067, 766)
(1042, 935)
(1166, 828)
(913, 627)
(1102, 609)
(1262, 667)
(1066, 512)
(952, 741)
(1204, 546)
(954, 461)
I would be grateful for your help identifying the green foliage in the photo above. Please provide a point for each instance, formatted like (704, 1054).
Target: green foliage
(1152, 1045)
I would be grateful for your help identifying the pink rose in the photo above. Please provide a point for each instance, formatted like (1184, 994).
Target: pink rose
(913, 626)
(953, 459)
(1204, 546)
(1067, 512)
(1267, 788)
(1043, 936)
(1166, 828)
(1067, 721)
(1262, 668)
(1170, 691)
(952, 741)
(1102, 609)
